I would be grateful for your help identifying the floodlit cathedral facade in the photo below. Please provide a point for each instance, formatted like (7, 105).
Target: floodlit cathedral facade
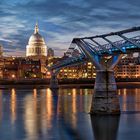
(37, 49)
(36, 45)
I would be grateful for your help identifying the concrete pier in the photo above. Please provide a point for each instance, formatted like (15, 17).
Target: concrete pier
(54, 82)
(105, 99)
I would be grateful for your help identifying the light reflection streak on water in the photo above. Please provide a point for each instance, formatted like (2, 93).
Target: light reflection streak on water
(49, 108)
(74, 100)
(13, 105)
(30, 116)
(74, 108)
(124, 99)
(81, 100)
(119, 92)
(35, 100)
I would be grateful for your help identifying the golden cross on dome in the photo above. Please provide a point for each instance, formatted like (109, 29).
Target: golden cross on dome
(36, 28)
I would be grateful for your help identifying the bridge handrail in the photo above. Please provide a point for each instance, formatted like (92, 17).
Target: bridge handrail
(121, 42)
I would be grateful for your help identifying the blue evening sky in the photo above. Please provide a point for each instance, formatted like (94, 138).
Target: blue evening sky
(62, 20)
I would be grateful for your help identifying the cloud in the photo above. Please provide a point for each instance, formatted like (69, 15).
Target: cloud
(5, 40)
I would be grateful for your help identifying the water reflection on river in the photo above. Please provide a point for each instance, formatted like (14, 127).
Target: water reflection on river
(42, 114)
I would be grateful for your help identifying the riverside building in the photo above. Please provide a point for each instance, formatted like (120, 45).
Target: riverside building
(128, 67)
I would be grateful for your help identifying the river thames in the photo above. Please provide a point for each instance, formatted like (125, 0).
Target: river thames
(40, 114)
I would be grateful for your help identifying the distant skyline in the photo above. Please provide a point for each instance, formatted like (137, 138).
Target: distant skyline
(62, 20)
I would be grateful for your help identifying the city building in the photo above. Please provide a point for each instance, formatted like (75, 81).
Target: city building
(20, 67)
(85, 70)
(24, 67)
(1, 51)
(50, 53)
(128, 67)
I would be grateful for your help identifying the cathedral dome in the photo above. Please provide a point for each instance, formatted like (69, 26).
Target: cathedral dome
(36, 44)
(36, 38)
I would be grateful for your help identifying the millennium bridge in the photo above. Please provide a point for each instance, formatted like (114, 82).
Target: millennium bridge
(104, 57)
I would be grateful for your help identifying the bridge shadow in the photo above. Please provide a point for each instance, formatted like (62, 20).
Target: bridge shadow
(105, 127)
(55, 93)
(63, 126)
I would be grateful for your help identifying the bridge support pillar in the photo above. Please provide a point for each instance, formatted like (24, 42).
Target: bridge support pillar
(105, 99)
(54, 82)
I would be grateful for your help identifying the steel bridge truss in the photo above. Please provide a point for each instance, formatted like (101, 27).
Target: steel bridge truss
(118, 47)
(91, 49)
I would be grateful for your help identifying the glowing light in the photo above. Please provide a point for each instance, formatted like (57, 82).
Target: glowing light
(48, 73)
(13, 76)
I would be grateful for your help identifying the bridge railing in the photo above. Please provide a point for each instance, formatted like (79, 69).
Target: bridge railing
(122, 43)
(109, 48)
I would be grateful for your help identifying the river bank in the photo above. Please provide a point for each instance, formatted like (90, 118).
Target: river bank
(77, 83)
